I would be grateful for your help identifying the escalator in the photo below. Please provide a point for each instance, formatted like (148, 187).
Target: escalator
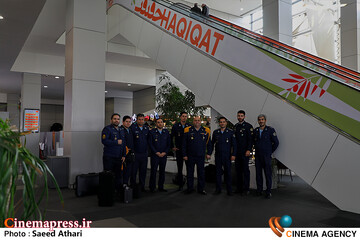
(313, 104)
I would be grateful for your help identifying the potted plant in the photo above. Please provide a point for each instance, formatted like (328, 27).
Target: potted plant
(21, 167)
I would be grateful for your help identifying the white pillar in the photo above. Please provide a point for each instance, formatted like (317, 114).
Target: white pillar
(84, 101)
(350, 34)
(13, 109)
(277, 20)
(30, 99)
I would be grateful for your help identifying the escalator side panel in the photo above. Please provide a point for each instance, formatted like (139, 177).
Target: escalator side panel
(198, 66)
(338, 178)
(305, 143)
(311, 91)
(150, 39)
(175, 48)
(233, 92)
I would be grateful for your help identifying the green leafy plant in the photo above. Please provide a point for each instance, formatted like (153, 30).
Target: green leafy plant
(21, 167)
(171, 101)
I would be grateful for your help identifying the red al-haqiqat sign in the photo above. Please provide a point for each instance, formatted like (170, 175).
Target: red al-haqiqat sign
(248, 59)
(205, 39)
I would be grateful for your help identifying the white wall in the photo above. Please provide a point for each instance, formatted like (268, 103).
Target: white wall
(144, 100)
(3, 98)
(4, 115)
(130, 74)
(120, 105)
(13, 109)
(49, 115)
(123, 106)
(39, 63)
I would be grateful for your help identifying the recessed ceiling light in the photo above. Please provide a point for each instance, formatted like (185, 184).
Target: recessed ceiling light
(1, 17)
(241, 9)
(45, 86)
(57, 77)
(106, 91)
(129, 84)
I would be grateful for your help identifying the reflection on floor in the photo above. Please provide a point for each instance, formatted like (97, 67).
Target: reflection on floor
(175, 209)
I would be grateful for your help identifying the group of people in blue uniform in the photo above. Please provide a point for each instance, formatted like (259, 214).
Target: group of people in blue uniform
(126, 152)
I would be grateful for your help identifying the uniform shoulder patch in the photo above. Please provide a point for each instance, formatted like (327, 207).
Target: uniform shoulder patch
(274, 134)
(103, 136)
(186, 130)
(208, 130)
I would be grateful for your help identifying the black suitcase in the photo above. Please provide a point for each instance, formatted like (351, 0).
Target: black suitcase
(136, 188)
(128, 195)
(106, 191)
(210, 173)
(86, 184)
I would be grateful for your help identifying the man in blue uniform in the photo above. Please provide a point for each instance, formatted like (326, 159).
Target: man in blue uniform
(130, 156)
(225, 151)
(266, 142)
(141, 134)
(177, 132)
(113, 139)
(244, 137)
(195, 143)
(159, 142)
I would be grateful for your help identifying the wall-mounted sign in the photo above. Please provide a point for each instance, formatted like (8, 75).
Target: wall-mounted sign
(31, 119)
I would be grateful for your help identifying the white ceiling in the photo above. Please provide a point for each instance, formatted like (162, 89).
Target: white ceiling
(20, 32)
(55, 88)
(19, 18)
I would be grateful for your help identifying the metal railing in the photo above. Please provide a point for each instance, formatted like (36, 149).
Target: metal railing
(331, 70)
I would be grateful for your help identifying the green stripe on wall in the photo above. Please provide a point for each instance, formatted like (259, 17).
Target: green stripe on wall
(341, 91)
(344, 123)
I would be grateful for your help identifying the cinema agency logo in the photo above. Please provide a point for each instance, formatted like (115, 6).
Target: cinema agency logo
(278, 225)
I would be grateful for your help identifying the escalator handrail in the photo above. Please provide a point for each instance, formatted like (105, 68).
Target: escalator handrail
(314, 60)
(328, 69)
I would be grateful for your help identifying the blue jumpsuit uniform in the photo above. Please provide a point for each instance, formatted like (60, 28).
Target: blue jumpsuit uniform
(177, 132)
(195, 145)
(244, 139)
(265, 143)
(141, 152)
(159, 142)
(129, 139)
(225, 147)
(113, 152)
